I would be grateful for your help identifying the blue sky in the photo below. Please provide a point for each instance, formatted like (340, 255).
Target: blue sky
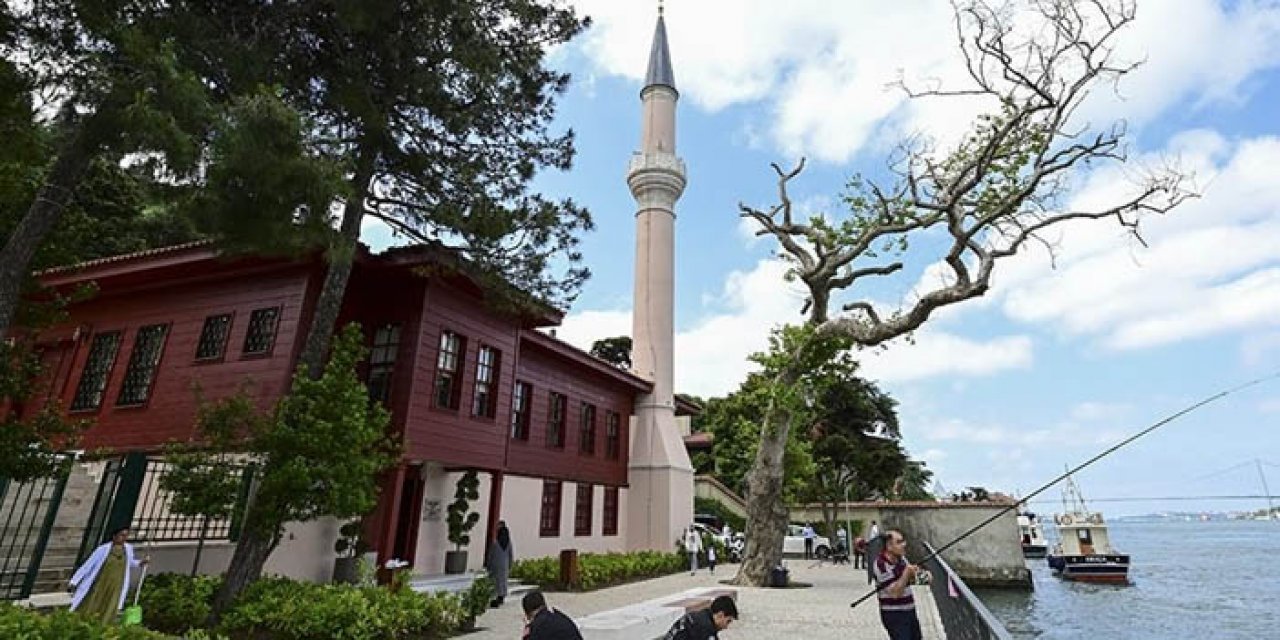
(1060, 359)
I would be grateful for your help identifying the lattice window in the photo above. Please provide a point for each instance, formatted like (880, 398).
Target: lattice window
(213, 337)
(555, 420)
(148, 344)
(488, 365)
(587, 430)
(97, 370)
(382, 361)
(549, 520)
(610, 511)
(262, 331)
(582, 510)
(520, 399)
(449, 370)
(612, 435)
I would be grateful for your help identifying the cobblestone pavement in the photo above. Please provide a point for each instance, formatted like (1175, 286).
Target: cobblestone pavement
(819, 612)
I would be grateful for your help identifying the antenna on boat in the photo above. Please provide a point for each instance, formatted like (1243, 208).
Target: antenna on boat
(1067, 475)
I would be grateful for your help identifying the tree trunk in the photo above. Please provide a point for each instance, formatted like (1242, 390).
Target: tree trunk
(340, 256)
(252, 551)
(45, 212)
(766, 510)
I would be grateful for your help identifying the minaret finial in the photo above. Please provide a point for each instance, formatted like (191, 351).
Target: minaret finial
(659, 8)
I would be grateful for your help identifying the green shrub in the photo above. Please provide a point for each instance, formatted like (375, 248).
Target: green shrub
(176, 603)
(23, 624)
(476, 599)
(280, 609)
(599, 570)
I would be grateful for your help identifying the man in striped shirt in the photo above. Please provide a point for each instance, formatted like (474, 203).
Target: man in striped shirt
(894, 577)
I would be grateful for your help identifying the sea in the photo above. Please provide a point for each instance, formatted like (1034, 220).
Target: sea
(1211, 579)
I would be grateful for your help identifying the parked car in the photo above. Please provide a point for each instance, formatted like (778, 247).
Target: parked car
(793, 544)
(713, 521)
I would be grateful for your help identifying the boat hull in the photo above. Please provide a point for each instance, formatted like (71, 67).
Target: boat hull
(1108, 569)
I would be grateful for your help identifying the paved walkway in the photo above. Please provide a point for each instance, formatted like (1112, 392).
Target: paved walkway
(819, 612)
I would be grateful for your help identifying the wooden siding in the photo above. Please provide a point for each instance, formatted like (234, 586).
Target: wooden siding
(169, 411)
(547, 372)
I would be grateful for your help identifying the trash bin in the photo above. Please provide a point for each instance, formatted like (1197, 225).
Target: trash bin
(778, 577)
(569, 578)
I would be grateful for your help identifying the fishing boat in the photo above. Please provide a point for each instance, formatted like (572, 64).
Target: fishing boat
(1032, 536)
(1084, 552)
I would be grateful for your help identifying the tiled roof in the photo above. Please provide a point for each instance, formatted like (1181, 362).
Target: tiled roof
(125, 257)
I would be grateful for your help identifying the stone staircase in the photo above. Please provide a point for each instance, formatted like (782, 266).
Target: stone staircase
(58, 563)
(459, 582)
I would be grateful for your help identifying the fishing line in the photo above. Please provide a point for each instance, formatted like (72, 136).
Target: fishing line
(1213, 398)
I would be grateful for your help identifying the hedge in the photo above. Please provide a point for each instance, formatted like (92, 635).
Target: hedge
(17, 623)
(599, 570)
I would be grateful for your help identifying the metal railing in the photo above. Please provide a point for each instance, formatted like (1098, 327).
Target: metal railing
(27, 513)
(964, 617)
(155, 521)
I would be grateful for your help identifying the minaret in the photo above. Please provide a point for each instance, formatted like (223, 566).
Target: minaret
(660, 495)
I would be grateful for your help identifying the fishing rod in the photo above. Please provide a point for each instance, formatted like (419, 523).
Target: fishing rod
(1213, 398)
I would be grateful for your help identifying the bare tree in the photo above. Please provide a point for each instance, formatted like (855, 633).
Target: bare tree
(1002, 186)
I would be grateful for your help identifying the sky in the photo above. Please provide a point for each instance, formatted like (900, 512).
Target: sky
(1064, 356)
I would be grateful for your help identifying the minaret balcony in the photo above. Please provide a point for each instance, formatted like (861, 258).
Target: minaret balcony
(659, 176)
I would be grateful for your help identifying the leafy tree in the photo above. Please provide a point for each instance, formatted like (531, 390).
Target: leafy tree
(616, 351)
(1003, 185)
(107, 73)
(913, 484)
(318, 453)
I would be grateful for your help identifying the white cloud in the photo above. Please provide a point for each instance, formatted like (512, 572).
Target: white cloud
(1065, 434)
(822, 69)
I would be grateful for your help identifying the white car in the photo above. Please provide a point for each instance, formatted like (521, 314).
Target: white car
(793, 544)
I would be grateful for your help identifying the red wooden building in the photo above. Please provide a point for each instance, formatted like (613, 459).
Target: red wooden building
(469, 386)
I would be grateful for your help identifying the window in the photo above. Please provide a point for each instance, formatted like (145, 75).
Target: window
(148, 344)
(612, 435)
(453, 347)
(582, 510)
(555, 420)
(520, 410)
(610, 511)
(97, 369)
(587, 430)
(549, 522)
(213, 337)
(262, 331)
(488, 364)
(382, 362)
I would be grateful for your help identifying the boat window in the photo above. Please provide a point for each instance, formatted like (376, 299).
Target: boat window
(1084, 536)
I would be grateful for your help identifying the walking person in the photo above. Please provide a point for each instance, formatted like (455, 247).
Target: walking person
(544, 623)
(705, 624)
(102, 581)
(809, 535)
(498, 563)
(692, 545)
(894, 577)
(859, 552)
(711, 558)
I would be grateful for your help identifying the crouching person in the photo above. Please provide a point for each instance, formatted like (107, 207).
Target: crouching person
(705, 624)
(545, 623)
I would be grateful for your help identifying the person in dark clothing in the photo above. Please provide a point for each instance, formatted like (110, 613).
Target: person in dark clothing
(706, 623)
(545, 623)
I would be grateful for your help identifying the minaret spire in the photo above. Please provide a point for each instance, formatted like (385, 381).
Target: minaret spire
(660, 477)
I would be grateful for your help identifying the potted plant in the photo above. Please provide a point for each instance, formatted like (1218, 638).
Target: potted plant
(349, 547)
(461, 519)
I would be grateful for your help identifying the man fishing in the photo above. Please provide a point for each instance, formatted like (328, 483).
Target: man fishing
(894, 577)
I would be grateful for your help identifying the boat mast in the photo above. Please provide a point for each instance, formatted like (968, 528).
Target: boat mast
(1270, 510)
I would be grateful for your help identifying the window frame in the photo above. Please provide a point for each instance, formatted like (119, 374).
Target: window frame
(271, 341)
(587, 429)
(222, 346)
(557, 407)
(488, 387)
(612, 435)
(454, 375)
(583, 517)
(107, 370)
(609, 526)
(521, 410)
(152, 368)
(549, 514)
(384, 367)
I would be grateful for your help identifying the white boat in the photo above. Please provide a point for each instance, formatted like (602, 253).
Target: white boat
(1084, 552)
(1032, 536)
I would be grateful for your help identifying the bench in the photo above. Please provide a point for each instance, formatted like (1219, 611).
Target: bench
(648, 619)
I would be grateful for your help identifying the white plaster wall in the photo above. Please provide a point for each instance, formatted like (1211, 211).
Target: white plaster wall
(306, 551)
(433, 531)
(522, 509)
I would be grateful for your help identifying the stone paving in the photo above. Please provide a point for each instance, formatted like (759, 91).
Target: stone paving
(819, 612)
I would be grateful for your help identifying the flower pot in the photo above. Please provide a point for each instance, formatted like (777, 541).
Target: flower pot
(346, 570)
(455, 562)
